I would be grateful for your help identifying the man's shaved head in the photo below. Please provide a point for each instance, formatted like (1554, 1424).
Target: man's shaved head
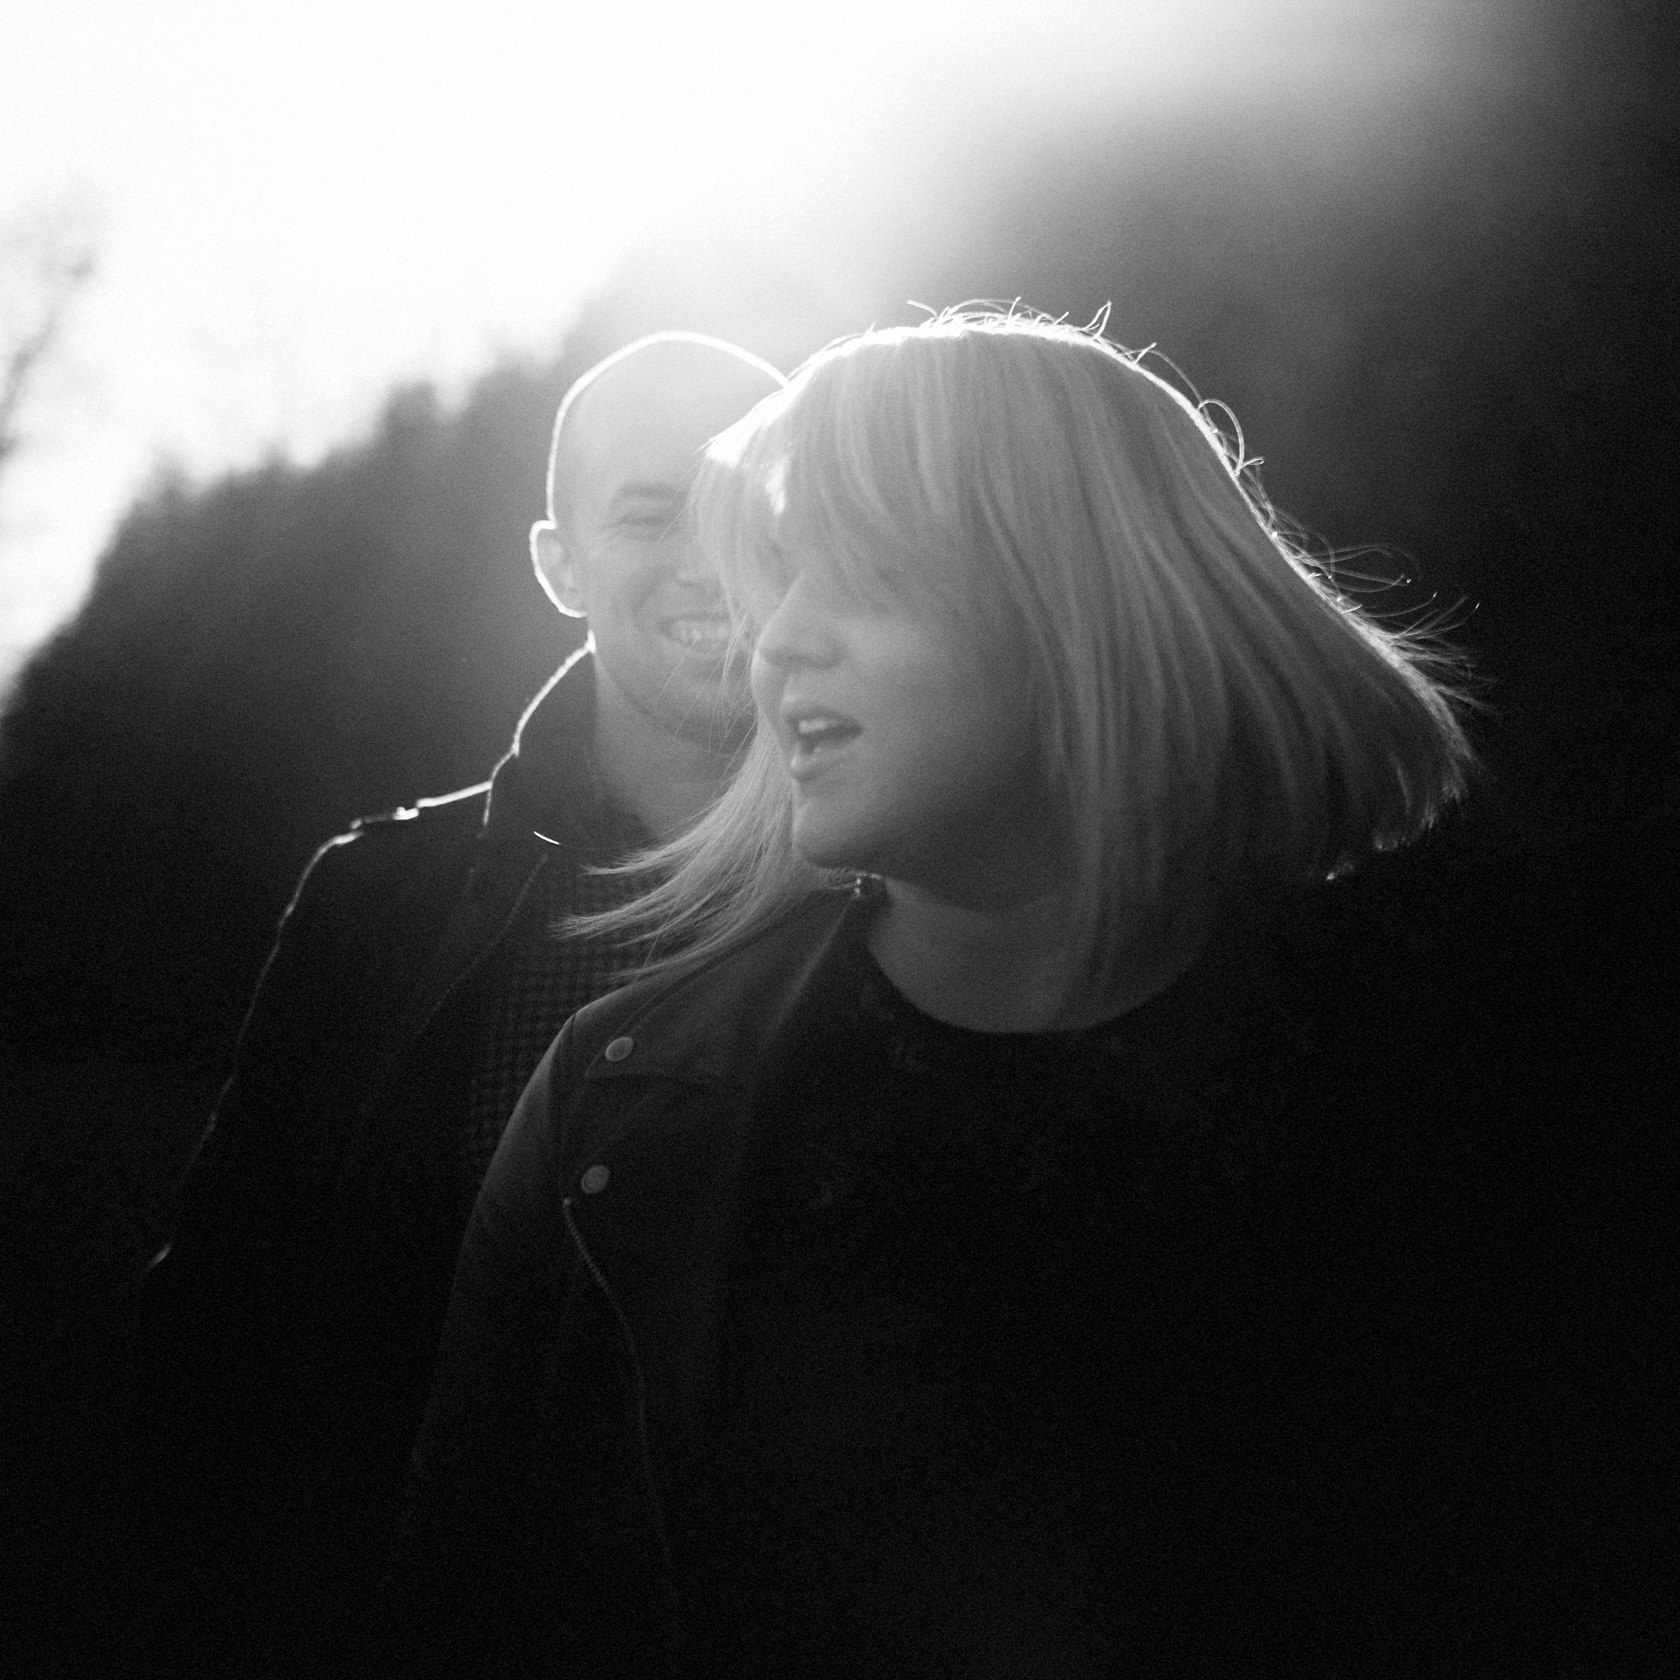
(690, 379)
(618, 547)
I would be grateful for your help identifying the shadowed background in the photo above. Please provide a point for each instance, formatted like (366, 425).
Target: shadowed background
(1449, 333)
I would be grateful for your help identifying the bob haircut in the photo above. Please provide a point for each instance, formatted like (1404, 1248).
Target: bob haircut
(1217, 725)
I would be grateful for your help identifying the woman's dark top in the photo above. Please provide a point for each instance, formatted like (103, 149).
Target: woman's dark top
(798, 1333)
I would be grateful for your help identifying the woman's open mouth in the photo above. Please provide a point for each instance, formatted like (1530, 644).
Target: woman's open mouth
(817, 734)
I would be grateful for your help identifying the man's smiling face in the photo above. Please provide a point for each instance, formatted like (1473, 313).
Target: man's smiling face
(630, 563)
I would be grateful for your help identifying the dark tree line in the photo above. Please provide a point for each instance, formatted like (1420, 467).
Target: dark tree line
(256, 662)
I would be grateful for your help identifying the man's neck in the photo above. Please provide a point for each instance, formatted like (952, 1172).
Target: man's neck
(663, 780)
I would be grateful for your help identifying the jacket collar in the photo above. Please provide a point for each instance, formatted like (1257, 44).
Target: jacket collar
(721, 1023)
(715, 1024)
(546, 784)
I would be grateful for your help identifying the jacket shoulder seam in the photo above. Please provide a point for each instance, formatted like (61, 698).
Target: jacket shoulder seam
(437, 806)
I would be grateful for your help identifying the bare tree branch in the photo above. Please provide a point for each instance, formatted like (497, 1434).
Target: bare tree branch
(44, 261)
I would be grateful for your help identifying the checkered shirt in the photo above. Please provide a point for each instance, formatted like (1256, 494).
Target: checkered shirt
(542, 978)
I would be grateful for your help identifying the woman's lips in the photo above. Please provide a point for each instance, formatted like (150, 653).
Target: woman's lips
(816, 734)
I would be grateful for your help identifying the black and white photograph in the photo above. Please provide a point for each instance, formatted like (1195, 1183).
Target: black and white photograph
(837, 841)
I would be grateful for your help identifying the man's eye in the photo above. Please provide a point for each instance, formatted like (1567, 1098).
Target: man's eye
(650, 525)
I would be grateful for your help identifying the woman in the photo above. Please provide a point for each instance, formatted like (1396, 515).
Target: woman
(951, 1262)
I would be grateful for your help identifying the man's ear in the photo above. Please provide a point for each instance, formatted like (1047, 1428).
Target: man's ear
(556, 571)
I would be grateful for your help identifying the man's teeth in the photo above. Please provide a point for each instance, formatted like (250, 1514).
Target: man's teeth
(705, 633)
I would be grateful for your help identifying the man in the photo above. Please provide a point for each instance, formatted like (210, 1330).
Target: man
(287, 1336)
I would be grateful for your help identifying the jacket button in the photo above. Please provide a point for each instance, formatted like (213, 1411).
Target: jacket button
(619, 1049)
(594, 1179)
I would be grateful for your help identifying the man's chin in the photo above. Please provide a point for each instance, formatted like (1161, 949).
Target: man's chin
(715, 725)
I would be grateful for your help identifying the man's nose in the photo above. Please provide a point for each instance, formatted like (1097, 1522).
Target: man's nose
(688, 560)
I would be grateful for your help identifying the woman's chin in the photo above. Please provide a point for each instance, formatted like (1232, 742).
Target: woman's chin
(821, 848)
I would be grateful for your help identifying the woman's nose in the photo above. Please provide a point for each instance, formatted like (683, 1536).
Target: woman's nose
(796, 633)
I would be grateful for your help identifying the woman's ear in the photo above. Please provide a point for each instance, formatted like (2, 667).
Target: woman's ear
(557, 571)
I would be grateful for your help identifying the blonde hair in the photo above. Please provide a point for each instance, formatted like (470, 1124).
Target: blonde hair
(1217, 722)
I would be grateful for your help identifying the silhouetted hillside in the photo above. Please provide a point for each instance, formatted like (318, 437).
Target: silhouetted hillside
(257, 662)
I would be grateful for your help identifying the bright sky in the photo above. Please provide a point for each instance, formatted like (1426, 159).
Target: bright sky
(295, 206)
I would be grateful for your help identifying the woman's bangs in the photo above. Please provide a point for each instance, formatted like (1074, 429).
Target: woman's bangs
(737, 501)
(840, 520)
(826, 481)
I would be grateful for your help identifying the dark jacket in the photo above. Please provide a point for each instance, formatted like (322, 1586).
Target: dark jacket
(286, 1335)
(1270, 1396)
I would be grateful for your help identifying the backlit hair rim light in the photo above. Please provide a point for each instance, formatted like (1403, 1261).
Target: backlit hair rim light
(1217, 722)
